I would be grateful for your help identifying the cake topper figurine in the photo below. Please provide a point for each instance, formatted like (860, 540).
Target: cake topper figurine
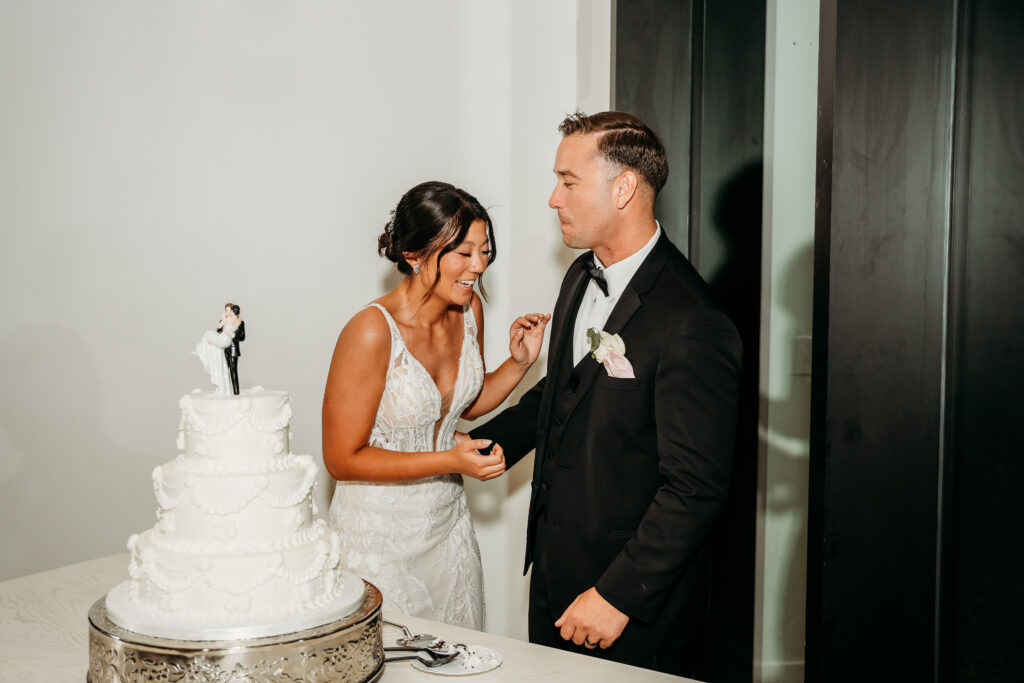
(218, 350)
(233, 316)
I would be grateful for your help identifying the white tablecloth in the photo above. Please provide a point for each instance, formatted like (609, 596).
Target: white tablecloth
(44, 636)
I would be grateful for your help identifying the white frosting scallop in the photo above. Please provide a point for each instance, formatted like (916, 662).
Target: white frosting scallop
(258, 503)
(236, 550)
(171, 567)
(251, 426)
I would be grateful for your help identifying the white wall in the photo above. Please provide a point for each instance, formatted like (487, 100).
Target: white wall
(791, 78)
(158, 159)
(532, 257)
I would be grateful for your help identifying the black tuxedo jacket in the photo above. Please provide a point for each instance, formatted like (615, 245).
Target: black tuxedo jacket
(631, 473)
(234, 351)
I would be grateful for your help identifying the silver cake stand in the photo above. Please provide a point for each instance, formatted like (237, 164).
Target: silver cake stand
(345, 651)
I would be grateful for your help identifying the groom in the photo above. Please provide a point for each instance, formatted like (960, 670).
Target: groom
(632, 463)
(233, 351)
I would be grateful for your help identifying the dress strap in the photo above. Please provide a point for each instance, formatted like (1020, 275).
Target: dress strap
(396, 337)
(387, 316)
(470, 320)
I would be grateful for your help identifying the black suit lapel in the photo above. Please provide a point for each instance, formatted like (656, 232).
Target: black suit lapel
(559, 353)
(564, 315)
(629, 303)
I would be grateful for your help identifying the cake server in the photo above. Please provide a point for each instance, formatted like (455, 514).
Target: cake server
(430, 660)
(434, 651)
(410, 640)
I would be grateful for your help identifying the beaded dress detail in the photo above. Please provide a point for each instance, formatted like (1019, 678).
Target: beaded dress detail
(414, 540)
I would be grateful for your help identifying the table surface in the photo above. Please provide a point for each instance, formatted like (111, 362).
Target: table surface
(44, 635)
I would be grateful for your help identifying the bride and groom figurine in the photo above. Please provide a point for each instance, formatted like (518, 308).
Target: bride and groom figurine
(219, 351)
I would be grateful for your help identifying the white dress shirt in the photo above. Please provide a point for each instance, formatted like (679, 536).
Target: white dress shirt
(596, 307)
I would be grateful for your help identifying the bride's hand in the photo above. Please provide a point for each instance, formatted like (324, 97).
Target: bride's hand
(526, 336)
(467, 460)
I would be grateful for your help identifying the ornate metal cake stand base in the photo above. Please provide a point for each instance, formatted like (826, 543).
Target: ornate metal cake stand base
(345, 651)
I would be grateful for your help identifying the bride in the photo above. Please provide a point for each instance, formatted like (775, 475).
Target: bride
(210, 351)
(404, 370)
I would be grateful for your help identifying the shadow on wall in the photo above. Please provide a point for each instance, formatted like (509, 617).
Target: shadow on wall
(787, 485)
(61, 478)
(737, 216)
(390, 281)
(736, 285)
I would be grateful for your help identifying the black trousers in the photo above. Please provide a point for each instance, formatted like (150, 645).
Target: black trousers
(543, 632)
(232, 368)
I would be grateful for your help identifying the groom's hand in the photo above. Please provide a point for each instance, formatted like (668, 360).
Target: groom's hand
(591, 621)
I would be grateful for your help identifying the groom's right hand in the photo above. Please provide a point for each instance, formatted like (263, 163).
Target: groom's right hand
(467, 460)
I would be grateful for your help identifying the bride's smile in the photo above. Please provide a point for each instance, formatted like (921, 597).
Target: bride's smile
(462, 266)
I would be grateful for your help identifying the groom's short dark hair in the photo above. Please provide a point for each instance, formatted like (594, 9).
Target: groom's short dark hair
(624, 140)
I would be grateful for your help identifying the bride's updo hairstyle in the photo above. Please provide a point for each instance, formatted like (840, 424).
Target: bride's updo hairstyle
(433, 217)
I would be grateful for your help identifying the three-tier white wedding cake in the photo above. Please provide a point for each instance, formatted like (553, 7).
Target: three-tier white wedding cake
(237, 551)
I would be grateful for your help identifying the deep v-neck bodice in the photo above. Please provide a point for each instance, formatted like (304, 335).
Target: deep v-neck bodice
(416, 361)
(409, 417)
(414, 539)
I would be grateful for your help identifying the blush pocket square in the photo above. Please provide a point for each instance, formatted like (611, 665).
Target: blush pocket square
(616, 365)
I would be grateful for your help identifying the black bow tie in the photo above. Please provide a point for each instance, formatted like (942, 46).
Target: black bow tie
(596, 274)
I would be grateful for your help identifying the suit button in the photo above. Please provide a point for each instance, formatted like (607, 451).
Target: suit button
(543, 486)
(558, 422)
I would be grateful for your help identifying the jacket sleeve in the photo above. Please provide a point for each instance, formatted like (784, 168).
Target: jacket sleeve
(240, 333)
(695, 397)
(515, 428)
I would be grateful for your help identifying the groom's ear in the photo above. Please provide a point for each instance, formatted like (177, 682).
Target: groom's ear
(624, 188)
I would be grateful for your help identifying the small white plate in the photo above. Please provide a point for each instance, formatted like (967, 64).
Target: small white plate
(472, 659)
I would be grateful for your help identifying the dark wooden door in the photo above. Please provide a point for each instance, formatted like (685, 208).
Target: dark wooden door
(918, 364)
(694, 70)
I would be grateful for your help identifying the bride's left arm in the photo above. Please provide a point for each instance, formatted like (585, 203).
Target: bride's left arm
(526, 336)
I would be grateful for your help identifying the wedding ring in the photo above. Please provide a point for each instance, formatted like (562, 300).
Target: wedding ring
(590, 644)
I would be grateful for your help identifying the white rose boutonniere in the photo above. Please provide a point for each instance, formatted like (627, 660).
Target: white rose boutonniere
(610, 351)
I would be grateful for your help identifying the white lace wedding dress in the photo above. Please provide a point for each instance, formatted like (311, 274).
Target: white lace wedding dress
(414, 540)
(210, 350)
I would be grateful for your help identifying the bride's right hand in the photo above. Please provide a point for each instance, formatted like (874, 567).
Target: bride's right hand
(467, 460)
